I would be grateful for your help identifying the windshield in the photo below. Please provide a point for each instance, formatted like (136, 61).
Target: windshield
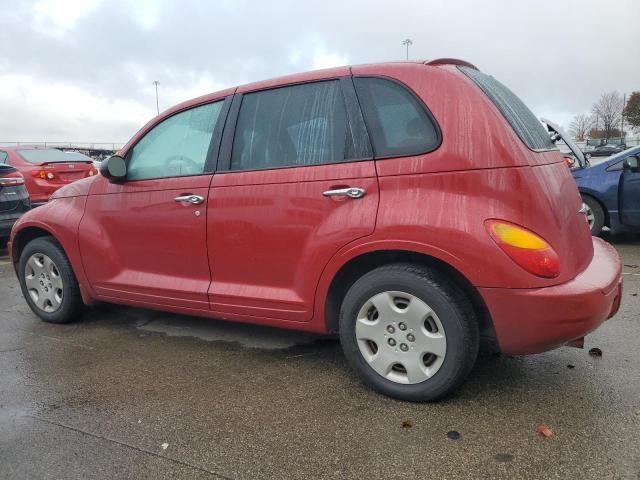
(48, 155)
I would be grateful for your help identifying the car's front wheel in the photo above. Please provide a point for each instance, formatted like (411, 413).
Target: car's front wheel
(48, 282)
(408, 332)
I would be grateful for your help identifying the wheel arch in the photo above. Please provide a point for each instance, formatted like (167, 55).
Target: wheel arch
(34, 230)
(364, 262)
(23, 236)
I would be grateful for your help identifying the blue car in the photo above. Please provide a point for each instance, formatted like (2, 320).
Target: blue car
(610, 189)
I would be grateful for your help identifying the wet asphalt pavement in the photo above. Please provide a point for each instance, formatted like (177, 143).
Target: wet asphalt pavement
(131, 393)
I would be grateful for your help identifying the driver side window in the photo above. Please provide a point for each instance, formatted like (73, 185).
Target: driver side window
(177, 146)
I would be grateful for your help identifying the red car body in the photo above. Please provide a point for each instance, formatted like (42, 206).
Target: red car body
(45, 176)
(267, 248)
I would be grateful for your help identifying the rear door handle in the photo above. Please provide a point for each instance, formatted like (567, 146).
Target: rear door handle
(194, 199)
(351, 192)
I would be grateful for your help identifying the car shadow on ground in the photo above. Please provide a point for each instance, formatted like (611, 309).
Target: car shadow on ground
(492, 373)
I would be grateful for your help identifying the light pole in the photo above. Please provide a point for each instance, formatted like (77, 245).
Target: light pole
(156, 83)
(406, 42)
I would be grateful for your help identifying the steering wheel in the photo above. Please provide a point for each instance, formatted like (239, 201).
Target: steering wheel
(182, 164)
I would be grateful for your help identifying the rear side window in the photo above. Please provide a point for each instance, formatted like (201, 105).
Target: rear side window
(521, 119)
(3, 157)
(398, 123)
(291, 126)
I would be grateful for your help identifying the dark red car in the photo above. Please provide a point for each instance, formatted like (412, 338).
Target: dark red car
(45, 170)
(418, 209)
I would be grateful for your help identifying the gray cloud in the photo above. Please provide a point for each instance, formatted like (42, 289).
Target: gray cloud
(558, 56)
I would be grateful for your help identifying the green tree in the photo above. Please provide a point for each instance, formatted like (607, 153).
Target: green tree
(632, 110)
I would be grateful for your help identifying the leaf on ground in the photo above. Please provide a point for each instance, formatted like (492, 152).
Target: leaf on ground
(545, 431)
(407, 424)
(571, 366)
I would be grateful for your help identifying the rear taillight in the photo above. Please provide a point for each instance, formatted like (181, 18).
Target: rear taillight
(524, 247)
(43, 174)
(11, 179)
(93, 172)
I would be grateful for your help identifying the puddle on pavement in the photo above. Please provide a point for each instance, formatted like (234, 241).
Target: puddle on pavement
(249, 336)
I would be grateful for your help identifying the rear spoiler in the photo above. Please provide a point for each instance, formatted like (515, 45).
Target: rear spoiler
(450, 61)
(62, 162)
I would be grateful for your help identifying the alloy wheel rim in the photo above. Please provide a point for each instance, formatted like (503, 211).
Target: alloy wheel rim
(400, 337)
(44, 283)
(591, 218)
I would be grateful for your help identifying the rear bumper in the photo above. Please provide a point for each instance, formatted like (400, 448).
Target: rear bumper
(535, 320)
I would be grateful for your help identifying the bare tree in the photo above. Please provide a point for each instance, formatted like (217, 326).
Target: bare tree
(580, 126)
(608, 111)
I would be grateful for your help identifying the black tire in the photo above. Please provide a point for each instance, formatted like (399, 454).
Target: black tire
(449, 303)
(598, 214)
(71, 305)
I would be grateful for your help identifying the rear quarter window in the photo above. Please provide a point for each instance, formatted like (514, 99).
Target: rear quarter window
(398, 123)
(521, 119)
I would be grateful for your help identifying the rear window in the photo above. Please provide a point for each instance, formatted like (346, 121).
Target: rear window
(521, 119)
(77, 156)
(398, 123)
(47, 155)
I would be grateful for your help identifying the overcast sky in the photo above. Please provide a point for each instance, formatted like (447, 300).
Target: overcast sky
(83, 71)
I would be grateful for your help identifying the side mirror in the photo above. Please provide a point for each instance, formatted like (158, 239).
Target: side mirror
(114, 168)
(631, 164)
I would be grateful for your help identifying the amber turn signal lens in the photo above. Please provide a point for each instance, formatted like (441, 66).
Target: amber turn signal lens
(528, 250)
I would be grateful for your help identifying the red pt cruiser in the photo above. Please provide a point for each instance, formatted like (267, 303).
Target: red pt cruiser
(418, 209)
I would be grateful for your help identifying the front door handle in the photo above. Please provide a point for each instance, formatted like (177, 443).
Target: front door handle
(194, 199)
(351, 192)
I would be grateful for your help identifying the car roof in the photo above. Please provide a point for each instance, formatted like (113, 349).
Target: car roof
(307, 76)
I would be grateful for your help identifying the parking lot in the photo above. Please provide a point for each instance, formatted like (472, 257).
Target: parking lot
(131, 393)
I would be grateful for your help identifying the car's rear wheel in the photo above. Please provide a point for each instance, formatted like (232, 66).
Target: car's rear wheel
(48, 282)
(594, 213)
(408, 332)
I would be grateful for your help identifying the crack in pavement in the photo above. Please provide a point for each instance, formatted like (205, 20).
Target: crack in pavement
(128, 445)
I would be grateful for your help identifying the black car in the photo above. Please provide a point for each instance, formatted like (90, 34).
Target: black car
(604, 150)
(14, 199)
